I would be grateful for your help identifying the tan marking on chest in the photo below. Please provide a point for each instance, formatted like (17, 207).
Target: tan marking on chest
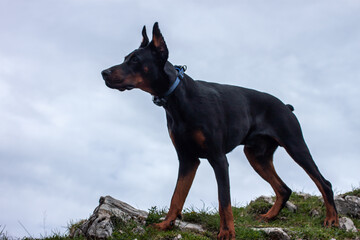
(199, 138)
(172, 138)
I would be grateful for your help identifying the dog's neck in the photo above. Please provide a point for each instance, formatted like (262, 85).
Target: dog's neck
(177, 102)
(173, 77)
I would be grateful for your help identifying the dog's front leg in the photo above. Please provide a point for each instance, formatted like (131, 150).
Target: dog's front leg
(187, 170)
(221, 169)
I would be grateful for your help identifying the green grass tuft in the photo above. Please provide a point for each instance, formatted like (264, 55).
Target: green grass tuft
(259, 206)
(154, 216)
(354, 192)
(206, 217)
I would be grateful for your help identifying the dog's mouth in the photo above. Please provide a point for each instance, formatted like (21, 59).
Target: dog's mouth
(119, 86)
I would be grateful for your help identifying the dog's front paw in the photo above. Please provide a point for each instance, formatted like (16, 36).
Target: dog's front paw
(164, 225)
(332, 221)
(226, 235)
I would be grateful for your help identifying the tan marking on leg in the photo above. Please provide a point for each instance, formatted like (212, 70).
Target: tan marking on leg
(267, 171)
(177, 201)
(332, 218)
(227, 230)
(199, 138)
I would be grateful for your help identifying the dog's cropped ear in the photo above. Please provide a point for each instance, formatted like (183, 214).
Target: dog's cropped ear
(159, 43)
(145, 40)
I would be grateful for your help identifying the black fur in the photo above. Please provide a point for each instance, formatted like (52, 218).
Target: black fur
(208, 120)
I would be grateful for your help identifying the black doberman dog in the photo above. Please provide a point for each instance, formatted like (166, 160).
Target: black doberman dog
(208, 120)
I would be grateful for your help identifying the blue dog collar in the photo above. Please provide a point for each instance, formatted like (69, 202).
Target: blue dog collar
(173, 86)
(161, 101)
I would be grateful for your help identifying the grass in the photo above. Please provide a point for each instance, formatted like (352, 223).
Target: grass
(354, 192)
(299, 225)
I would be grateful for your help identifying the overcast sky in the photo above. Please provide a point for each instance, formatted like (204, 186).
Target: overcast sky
(66, 139)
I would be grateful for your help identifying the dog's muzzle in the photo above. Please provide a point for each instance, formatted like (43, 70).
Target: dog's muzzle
(106, 73)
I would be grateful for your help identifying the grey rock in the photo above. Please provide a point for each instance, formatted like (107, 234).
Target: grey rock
(292, 207)
(347, 224)
(304, 195)
(314, 213)
(139, 230)
(266, 199)
(189, 226)
(178, 237)
(353, 199)
(274, 233)
(100, 226)
(350, 206)
(289, 205)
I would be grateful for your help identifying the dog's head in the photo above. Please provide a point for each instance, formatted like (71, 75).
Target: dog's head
(143, 68)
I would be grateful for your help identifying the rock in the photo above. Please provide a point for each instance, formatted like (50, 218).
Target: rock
(274, 233)
(266, 199)
(289, 205)
(100, 226)
(304, 195)
(292, 207)
(354, 199)
(189, 226)
(314, 213)
(347, 224)
(139, 230)
(178, 237)
(350, 205)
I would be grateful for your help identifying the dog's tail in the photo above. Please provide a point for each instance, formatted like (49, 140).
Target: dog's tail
(290, 107)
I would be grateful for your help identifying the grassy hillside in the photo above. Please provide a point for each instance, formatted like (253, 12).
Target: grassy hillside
(299, 225)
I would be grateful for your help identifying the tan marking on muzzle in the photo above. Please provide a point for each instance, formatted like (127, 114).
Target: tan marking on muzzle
(138, 82)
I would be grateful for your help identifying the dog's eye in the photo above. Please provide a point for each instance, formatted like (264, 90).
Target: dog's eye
(134, 59)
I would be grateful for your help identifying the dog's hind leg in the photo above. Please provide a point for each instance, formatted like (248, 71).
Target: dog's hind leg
(298, 150)
(289, 135)
(260, 155)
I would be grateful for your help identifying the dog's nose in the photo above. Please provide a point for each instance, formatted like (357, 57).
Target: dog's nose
(106, 73)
